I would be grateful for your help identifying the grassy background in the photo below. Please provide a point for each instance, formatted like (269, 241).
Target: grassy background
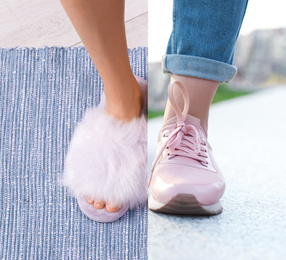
(224, 92)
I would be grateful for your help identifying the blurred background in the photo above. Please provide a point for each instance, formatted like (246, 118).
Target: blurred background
(260, 51)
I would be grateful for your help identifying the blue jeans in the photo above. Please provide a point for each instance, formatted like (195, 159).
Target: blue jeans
(203, 39)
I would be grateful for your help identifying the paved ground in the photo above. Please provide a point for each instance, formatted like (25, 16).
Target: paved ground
(248, 136)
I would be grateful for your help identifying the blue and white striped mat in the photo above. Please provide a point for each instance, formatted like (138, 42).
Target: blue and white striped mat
(43, 94)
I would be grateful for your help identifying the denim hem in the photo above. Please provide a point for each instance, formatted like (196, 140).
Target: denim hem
(198, 67)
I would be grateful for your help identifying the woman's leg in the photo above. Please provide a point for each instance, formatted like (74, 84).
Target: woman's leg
(185, 177)
(100, 25)
(201, 48)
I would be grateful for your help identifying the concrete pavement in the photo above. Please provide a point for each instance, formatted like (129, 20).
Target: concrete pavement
(248, 136)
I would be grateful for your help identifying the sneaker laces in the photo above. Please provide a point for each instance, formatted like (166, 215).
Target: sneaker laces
(184, 140)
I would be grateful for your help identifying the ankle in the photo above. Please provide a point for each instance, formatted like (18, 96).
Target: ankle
(126, 103)
(125, 109)
(201, 93)
(204, 125)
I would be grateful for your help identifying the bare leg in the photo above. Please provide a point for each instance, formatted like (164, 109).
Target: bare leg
(201, 92)
(100, 25)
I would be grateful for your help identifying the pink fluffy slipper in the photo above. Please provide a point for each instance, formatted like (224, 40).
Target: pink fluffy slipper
(107, 160)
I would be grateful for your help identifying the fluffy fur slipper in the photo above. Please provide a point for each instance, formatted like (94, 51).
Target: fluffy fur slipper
(107, 161)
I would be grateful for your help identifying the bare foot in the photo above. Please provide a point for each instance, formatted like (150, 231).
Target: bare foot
(125, 108)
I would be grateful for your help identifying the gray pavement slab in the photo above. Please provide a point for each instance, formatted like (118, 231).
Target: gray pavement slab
(248, 136)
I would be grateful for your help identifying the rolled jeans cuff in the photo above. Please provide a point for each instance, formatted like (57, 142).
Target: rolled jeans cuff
(198, 67)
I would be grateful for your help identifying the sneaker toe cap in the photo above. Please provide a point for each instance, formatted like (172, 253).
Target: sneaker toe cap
(171, 180)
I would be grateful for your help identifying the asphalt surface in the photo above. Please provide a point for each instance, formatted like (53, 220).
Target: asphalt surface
(248, 136)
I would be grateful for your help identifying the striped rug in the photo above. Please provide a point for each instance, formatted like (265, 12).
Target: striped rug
(43, 94)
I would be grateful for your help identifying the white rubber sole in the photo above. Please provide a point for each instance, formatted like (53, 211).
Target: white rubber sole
(184, 204)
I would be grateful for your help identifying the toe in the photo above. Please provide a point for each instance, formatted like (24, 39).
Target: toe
(111, 209)
(98, 204)
(90, 200)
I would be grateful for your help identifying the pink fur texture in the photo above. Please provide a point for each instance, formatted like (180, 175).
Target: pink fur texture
(107, 159)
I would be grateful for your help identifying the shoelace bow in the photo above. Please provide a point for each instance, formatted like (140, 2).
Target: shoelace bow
(185, 139)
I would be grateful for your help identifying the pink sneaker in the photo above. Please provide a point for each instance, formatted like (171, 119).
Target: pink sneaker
(184, 177)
